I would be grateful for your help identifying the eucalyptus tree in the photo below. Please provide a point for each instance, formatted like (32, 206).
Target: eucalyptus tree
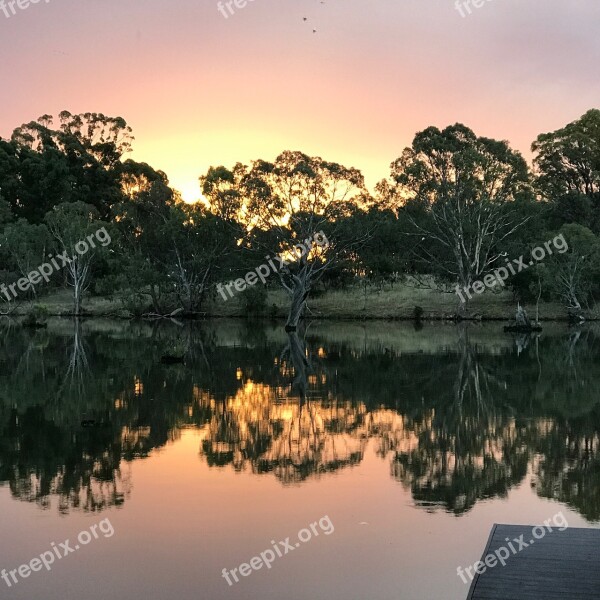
(199, 244)
(222, 188)
(286, 206)
(6, 214)
(79, 238)
(459, 193)
(171, 251)
(33, 179)
(567, 165)
(139, 273)
(69, 159)
(27, 245)
(573, 275)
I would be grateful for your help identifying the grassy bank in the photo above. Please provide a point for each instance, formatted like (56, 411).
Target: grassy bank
(354, 303)
(400, 303)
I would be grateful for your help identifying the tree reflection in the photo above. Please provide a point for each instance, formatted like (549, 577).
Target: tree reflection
(468, 449)
(41, 460)
(567, 463)
(458, 425)
(272, 428)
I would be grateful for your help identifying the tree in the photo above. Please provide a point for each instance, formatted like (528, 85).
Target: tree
(138, 179)
(6, 214)
(567, 163)
(173, 250)
(198, 245)
(140, 218)
(458, 192)
(78, 159)
(31, 180)
(222, 187)
(27, 245)
(290, 202)
(79, 236)
(574, 275)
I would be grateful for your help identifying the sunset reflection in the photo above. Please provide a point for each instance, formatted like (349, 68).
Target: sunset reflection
(258, 431)
(300, 410)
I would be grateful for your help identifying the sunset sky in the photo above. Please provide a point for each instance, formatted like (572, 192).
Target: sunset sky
(199, 89)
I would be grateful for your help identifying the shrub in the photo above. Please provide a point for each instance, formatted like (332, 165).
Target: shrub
(254, 300)
(36, 315)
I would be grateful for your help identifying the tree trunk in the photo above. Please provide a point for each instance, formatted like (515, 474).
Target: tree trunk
(297, 308)
(76, 298)
(155, 297)
(463, 296)
(462, 310)
(301, 365)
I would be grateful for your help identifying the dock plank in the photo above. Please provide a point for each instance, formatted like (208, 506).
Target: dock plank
(559, 565)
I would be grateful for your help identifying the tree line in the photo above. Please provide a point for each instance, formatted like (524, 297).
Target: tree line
(454, 208)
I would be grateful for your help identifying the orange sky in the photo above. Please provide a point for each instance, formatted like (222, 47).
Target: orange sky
(201, 90)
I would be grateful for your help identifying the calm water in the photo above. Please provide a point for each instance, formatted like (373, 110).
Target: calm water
(413, 442)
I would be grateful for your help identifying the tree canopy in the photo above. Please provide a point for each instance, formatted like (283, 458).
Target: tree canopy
(456, 207)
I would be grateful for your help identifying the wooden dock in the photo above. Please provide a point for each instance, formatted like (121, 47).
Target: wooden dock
(560, 565)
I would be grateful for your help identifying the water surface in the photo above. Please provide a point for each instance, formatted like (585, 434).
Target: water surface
(412, 442)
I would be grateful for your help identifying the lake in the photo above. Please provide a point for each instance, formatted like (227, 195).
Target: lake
(354, 461)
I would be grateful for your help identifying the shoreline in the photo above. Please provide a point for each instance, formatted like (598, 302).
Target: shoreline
(312, 318)
(354, 304)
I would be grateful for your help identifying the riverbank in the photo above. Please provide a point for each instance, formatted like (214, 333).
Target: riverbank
(401, 302)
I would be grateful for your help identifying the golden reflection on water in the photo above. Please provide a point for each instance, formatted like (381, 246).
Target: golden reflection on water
(247, 442)
(257, 429)
(260, 430)
(453, 428)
